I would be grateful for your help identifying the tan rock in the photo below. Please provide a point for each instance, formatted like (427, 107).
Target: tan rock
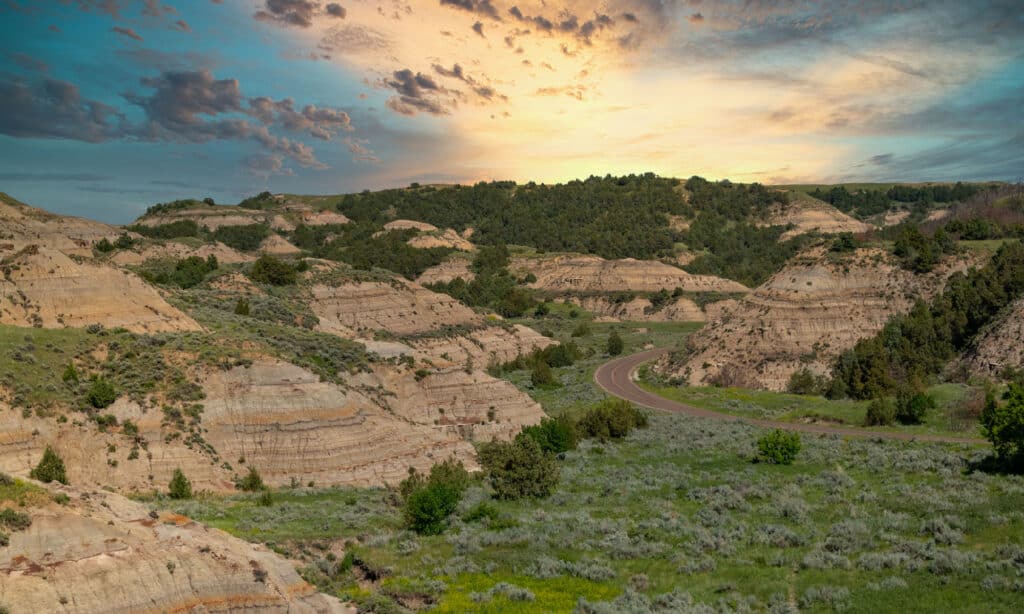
(640, 310)
(44, 287)
(323, 218)
(104, 553)
(22, 225)
(276, 245)
(455, 266)
(210, 217)
(591, 274)
(407, 224)
(809, 214)
(1000, 346)
(441, 238)
(893, 218)
(482, 346)
(805, 315)
(174, 249)
(397, 306)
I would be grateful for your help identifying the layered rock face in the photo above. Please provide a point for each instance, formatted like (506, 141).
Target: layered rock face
(397, 306)
(447, 271)
(44, 287)
(641, 309)
(272, 415)
(441, 238)
(172, 249)
(212, 217)
(1000, 346)
(807, 214)
(22, 225)
(104, 553)
(323, 218)
(592, 274)
(804, 316)
(483, 346)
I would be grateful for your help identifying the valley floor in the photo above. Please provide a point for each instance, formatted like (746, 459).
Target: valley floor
(673, 517)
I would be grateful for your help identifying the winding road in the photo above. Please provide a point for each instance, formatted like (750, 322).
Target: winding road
(616, 378)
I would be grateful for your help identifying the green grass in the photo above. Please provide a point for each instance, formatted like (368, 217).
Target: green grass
(947, 419)
(35, 358)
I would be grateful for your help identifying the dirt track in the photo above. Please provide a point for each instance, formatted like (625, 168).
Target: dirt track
(616, 378)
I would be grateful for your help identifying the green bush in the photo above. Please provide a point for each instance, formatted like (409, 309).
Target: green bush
(429, 501)
(244, 238)
(911, 407)
(252, 481)
(273, 271)
(610, 419)
(582, 329)
(519, 468)
(614, 344)
(14, 520)
(180, 487)
(779, 447)
(70, 374)
(50, 468)
(880, 412)
(542, 375)
(242, 307)
(806, 382)
(1003, 423)
(101, 393)
(104, 246)
(553, 435)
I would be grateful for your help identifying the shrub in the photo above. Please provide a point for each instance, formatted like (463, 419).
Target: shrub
(50, 468)
(542, 375)
(429, 501)
(101, 393)
(273, 271)
(806, 382)
(180, 487)
(1003, 424)
(911, 407)
(244, 238)
(15, 520)
(610, 419)
(70, 373)
(881, 412)
(553, 435)
(582, 329)
(251, 482)
(519, 468)
(104, 246)
(779, 447)
(615, 345)
(242, 307)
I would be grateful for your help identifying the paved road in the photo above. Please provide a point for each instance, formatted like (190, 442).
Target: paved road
(616, 378)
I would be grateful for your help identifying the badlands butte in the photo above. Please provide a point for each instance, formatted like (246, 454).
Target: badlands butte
(333, 344)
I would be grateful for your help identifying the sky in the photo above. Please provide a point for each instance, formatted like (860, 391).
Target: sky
(109, 106)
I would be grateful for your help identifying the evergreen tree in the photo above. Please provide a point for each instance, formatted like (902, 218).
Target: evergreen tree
(50, 468)
(180, 487)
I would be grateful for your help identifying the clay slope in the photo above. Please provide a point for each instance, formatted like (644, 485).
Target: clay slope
(104, 553)
(482, 347)
(441, 238)
(805, 315)
(43, 287)
(173, 249)
(808, 214)
(272, 415)
(446, 271)
(211, 217)
(407, 224)
(591, 274)
(22, 225)
(1001, 346)
(641, 310)
(396, 306)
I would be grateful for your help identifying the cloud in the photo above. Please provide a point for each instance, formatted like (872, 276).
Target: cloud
(28, 62)
(53, 177)
(54, 109)
(478, 27)
(696, 18)
(127, 32)
(880, 159)
(320, 122)
(288, 12)
(480, 7)
(359, 150)
(265, 165)
(336, 10)
(182, 25)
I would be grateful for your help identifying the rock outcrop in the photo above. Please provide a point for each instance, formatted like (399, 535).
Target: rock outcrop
(210, 217)
(407, 224)
(272, 415)
(44, 287)
(103, 553)
(483, 346)
(455, 266)
(804, 316)
(276, 245)
(22, 225)
(441, 238)
(396, 306)
(578, 274)
(808, 214)
(1000, 347)
(641, 309)
(174, 249)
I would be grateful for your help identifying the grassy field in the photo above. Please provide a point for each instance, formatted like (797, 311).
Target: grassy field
(950, 417)
(677, 515)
